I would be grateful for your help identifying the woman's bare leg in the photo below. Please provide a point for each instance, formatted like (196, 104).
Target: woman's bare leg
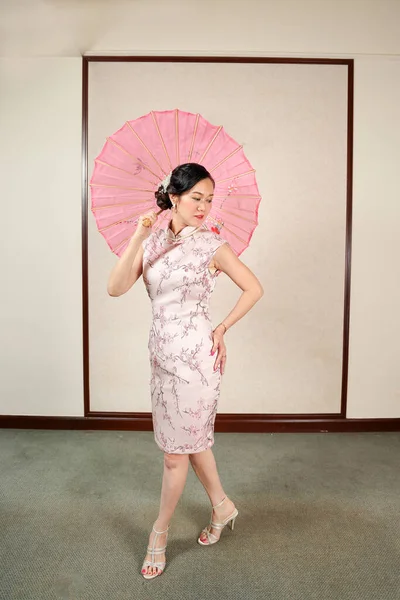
(174, 478)
(205, 467)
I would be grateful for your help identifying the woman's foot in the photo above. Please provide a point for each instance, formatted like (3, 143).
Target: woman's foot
(157, 544)
(220, 513)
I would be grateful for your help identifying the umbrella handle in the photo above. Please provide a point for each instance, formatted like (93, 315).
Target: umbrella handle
(147, 222)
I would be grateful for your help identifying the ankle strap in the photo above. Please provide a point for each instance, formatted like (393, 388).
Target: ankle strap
(216, 506)
(159, 532)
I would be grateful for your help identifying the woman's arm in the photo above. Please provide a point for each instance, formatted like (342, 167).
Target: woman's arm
(225, 260)
(128, 269)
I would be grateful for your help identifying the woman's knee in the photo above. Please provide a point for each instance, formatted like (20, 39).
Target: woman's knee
(174, 461)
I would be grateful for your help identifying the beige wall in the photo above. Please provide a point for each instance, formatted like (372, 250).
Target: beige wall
(226, 27)
(374, 380)
(41, 340)
(41, 353)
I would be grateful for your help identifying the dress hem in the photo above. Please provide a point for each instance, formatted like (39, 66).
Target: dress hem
(189, 452)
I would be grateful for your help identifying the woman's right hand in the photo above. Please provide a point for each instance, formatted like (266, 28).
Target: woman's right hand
(142, 231)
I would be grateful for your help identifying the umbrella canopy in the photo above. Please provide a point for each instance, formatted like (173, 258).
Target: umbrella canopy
(135, 159)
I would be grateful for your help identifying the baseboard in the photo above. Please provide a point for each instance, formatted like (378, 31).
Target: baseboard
(226, 423)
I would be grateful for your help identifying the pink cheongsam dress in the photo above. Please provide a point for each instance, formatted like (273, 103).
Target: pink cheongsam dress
(184, 387)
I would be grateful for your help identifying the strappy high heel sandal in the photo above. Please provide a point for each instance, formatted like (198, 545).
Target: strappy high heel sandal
(153, 551)
(212, 539)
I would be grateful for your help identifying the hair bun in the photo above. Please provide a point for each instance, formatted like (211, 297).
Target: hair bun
(181, 180)
(162, 199)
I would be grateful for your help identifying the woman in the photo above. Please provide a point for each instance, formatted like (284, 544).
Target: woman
(179, 266)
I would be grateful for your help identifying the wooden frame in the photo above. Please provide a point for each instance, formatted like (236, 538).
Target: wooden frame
(224, 422)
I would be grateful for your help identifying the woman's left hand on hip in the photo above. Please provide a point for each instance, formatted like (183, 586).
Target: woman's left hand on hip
(220, 348)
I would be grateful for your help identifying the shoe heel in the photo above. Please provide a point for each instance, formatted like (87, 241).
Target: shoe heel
(232, 523)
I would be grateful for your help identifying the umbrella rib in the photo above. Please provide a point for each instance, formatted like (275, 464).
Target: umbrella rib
(226, 158)
(122, 243)
(211, 143)
(133, 158)
(218, 222)
(235, 176)
(148, 169)
(120, 221)
(119, 187)
(249, 210)
(229, 212)
(237, 227)
(194, 136)
(94, 208)
(236, 236)
(254, 196)
(128, 197)
(146, 148)
(102, 162)
(161, 138)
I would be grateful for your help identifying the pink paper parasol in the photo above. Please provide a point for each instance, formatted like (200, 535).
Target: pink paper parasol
(135, 160)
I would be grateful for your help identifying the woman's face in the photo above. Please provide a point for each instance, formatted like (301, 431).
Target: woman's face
(194, 205)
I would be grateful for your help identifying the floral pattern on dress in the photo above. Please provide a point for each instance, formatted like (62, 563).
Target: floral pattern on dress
(184, 387)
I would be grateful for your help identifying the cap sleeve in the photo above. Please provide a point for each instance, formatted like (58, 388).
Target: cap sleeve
(215, 242)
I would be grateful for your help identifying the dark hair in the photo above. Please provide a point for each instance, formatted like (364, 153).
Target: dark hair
(183, 178)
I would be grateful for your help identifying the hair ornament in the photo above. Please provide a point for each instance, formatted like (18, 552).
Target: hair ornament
(166, 181)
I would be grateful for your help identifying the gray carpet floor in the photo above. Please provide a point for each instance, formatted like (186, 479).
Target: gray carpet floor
(319, 518)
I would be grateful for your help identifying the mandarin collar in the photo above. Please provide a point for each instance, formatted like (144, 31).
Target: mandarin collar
(185, 231)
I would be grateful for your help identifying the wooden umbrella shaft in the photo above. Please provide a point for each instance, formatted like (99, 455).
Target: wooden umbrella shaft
(147, 222)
